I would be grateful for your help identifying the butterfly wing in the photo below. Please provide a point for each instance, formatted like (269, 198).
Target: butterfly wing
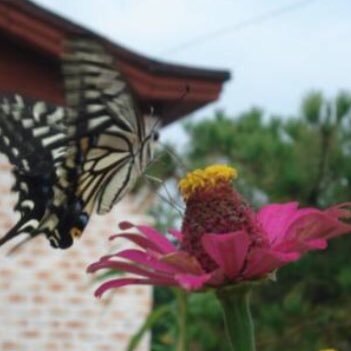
(69, 161)
(90, 142)
(32, 137)
(114, 128)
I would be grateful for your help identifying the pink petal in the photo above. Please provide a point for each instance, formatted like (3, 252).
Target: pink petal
(192, 282)
(227, 250)
(301, 246)
(126, 267)
(118, 283)
(157, 238)
(316, 225)
(147, 260)
(341, 211)
(138, 240)
(316, 244)
(217, 278)
(183, 261)
(125, 225)
(275, 218)
(293, 229)
(264, 261)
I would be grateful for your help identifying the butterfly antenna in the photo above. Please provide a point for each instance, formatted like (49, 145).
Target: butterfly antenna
(167, 199)
(157, 123)
(170, 151)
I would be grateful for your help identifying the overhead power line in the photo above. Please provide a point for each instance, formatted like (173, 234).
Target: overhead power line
(201, 39)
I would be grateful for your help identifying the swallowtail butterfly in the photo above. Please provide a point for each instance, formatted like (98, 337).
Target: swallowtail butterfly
(70, 161)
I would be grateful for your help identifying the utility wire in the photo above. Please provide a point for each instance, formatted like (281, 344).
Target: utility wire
(237, 26)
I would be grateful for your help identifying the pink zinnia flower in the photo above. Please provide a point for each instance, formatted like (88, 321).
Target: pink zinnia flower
(223, 240)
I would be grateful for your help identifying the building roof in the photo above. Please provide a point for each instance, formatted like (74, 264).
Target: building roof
(172, 90)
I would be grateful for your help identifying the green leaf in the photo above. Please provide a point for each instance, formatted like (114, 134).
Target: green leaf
(343, 105)
(312, 107)
(153, 318)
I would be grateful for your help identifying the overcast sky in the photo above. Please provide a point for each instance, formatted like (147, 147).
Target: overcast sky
(276, 50)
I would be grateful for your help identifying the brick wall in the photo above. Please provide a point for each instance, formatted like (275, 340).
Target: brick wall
(46, 298)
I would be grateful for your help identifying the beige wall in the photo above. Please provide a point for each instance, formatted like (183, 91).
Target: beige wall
(46, 298)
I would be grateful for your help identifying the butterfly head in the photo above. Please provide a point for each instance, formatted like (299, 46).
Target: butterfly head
(76, 224)
(155, 136)
(152, 138)
(71, 225)
(147, 150)
(76, 232)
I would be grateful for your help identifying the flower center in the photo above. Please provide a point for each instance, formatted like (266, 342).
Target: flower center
(202, 179)
(213, 206)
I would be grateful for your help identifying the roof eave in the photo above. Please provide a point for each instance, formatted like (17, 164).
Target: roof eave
(149, 78)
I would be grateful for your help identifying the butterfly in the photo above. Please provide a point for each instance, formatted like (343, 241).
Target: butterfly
(71, 161)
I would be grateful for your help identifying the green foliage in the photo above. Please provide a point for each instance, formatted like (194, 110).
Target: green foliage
(312, 107)
(205, 324)
(155, 316)
(306, 158)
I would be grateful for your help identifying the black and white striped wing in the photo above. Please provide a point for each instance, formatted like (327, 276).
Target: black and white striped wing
(110, 121)
(108, 173)
(32, 136)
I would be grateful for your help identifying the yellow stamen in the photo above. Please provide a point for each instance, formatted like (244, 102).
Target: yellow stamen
(206, 178)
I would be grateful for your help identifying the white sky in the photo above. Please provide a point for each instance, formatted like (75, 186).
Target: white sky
(273, 62)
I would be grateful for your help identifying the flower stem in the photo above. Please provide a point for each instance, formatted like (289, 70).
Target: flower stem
(182, 304)
(237, 317)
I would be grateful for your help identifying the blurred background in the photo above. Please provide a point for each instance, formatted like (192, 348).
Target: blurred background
(284, 120)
